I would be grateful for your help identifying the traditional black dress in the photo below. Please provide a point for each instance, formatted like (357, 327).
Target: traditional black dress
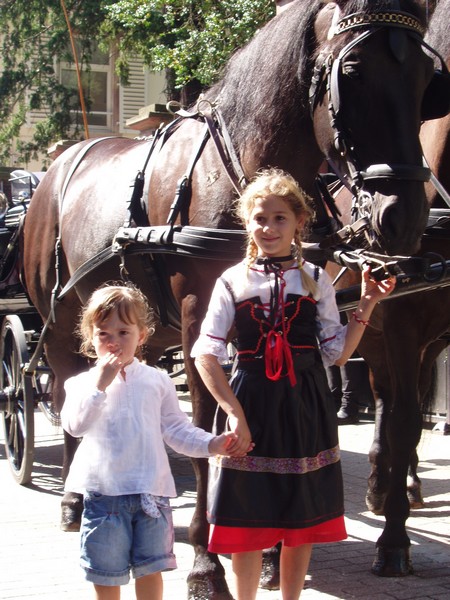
(290, 486)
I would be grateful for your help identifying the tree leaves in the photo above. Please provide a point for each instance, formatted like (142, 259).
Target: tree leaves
(191, 41)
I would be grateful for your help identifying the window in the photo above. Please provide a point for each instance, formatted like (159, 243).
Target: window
(96, 83)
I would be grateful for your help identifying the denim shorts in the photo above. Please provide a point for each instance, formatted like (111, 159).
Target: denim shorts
(118, 536)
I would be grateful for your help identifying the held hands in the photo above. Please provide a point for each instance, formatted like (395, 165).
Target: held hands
(227, 445)
(107, 368)
(237, 442)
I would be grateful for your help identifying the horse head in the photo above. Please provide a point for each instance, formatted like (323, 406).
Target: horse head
(372, 86)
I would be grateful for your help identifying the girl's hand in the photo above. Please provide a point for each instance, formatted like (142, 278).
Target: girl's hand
(373, 290)
(107, 368)
(242, 442)
(224, 444)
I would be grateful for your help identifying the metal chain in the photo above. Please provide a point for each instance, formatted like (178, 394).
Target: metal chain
(395, 19)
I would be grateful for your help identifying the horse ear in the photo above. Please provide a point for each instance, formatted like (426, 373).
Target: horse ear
(326, 21)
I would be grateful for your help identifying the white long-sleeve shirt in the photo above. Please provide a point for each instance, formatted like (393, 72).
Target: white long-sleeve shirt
(124, 430)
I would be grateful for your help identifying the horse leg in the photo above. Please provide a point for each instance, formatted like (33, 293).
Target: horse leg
(414, 485)
(393, 546)
(270, 574)
(426, 382)
(403, 430)
(207, 577)
(71, 502)
(379, 455)
(65, 362)
(373, 350)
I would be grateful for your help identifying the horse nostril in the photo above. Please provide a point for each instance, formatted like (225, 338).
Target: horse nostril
(396, 227)
(389, 220)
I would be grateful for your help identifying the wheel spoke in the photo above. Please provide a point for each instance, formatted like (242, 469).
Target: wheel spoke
(19, 417)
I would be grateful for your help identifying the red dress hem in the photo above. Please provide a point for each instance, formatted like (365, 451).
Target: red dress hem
(228, 540)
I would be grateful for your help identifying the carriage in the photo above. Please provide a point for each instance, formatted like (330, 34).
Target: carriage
(20, 331)
(174, 232)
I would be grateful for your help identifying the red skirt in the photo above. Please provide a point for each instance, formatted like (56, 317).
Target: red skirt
(228, 540)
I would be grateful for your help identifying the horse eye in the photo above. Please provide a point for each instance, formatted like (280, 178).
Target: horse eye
(351, 70)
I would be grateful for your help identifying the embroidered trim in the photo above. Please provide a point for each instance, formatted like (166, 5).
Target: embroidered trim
(263, 323)
(326, 340)
(214, 337)
(284, 466)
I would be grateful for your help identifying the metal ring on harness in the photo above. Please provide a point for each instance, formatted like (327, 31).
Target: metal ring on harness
(443, 263)
(210, 106)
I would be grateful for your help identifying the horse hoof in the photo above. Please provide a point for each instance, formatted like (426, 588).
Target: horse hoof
(71, 510)
(270, 572)
(415, 501)
(204, 588)
(270, 581)
(207, 580)
(375, 503)
(415, 497)
(392, 562)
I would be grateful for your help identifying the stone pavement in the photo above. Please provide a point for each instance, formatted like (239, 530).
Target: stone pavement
(39, 561)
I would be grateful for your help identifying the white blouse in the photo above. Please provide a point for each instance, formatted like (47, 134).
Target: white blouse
(124, 430)
(247, 283)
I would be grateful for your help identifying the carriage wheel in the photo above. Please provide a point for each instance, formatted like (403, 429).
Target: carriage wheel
(17, 400)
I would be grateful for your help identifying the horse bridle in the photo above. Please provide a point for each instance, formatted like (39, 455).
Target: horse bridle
(326, 73)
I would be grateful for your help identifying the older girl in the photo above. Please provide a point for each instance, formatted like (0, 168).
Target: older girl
(289, 488)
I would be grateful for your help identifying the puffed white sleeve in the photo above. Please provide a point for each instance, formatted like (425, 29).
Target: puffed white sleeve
(331, 332)
(216, 324)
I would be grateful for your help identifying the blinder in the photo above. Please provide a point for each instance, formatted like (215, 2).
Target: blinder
(436, 99)
(326, 76)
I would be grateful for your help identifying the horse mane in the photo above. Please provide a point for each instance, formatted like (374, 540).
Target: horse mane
(263, 92)
(268, 78)
(438, 31)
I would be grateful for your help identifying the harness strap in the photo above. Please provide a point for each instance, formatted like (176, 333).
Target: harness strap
(226, 151)
(345, 234)
(74, 166)
(438, 185)
(182, 197)
(136, 211)
(223, 143)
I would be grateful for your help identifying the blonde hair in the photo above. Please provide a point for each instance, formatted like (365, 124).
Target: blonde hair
(275, 182)
(132, 308)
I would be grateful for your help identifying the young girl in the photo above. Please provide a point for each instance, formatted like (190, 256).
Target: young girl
(283, 309)
(125, 411)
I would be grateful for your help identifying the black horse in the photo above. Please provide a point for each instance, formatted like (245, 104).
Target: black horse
(400, 347)
(345, 81)
(401, 352)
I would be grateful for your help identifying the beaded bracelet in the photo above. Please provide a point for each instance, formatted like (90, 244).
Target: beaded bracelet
(358, 320)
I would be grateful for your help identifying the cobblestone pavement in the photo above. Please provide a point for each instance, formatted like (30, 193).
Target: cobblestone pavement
(39, 561)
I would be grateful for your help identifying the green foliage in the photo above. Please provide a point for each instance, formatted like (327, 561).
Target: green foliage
(190, 40)
(193, 39)
(33, 38)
